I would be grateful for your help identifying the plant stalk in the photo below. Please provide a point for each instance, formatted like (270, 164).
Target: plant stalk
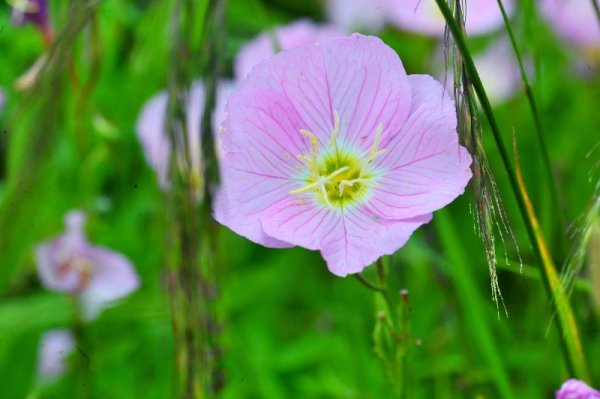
(571, 344)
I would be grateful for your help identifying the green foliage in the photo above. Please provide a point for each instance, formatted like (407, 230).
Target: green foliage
(291, 329)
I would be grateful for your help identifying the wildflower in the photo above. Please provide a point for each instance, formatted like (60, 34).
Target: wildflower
(154, 138)
(351, 15)
(574, 20)
(55, 347)
(95, 275)
(36, 13)
(334, 148)
(575, 389)
(286, 37)
(424, 17)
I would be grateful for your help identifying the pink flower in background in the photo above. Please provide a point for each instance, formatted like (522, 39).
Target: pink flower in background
(293, 35)
(34, 12)
(574, 20)
(352, 15)
(575, 389)
(153, 136)
(2, 99)
(334, 148)
(96, 275)
(55, 347)
(424, 17)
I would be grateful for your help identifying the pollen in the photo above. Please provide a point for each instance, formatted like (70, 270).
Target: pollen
(336, 175)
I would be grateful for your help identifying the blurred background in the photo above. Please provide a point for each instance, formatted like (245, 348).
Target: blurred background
(289, 328)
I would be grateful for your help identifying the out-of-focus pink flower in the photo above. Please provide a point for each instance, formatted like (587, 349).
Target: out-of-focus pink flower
(574, 20)
(353, 15)
(96, 275)
(2, 99)
(34, 12)
(55, 347)
(334, 148)
(286, 37)
(152, 133)
(575, 389)
(424, 17)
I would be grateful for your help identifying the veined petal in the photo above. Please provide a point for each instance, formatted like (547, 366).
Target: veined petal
(361, 238)
(359, 77)
(424, 167)
(241, 199)
(349, 240)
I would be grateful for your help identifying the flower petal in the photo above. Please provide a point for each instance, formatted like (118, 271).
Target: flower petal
(349, 240)
(296, 34)
(55, 346)
(359, 77)
(113, 278)
(154, 138)
(424, 168)
(241, 199)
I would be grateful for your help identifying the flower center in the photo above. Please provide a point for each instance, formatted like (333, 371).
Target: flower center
(336, 176)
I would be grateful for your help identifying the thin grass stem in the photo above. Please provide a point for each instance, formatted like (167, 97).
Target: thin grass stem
(537, 120)
(570, 341)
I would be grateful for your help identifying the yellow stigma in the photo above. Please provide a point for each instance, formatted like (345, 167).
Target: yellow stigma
(336, 176)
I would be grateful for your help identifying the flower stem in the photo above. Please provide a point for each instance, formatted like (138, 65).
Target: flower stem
(538, 126)
(571, 343)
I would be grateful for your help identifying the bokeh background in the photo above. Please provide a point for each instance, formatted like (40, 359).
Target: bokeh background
(290, 329)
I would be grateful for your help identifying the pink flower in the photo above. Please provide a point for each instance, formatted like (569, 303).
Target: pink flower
(55, 347)
(334, 148)
(293, 35)
(351, 15)
(96, 275)
(2, 99)
(575, 389)
(424, 17)
(154, 137)
(574, 20)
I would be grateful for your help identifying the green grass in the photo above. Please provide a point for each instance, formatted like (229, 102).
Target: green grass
(290, 328)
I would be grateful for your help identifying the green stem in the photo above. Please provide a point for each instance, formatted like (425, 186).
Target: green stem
(596, 8)
(368, 284)
(537, 123)
(570, 341)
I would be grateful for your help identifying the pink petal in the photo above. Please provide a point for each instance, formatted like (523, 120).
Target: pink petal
(359, 77)
(55, 347)
(361, 239)
(424, 168)
(349, 239)
(574, 20)
(52, 255)
(296, 34)
(153, 136)
(424, 17)
(114, 277)
(239, 207)
(353, 15)
(575, 389)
